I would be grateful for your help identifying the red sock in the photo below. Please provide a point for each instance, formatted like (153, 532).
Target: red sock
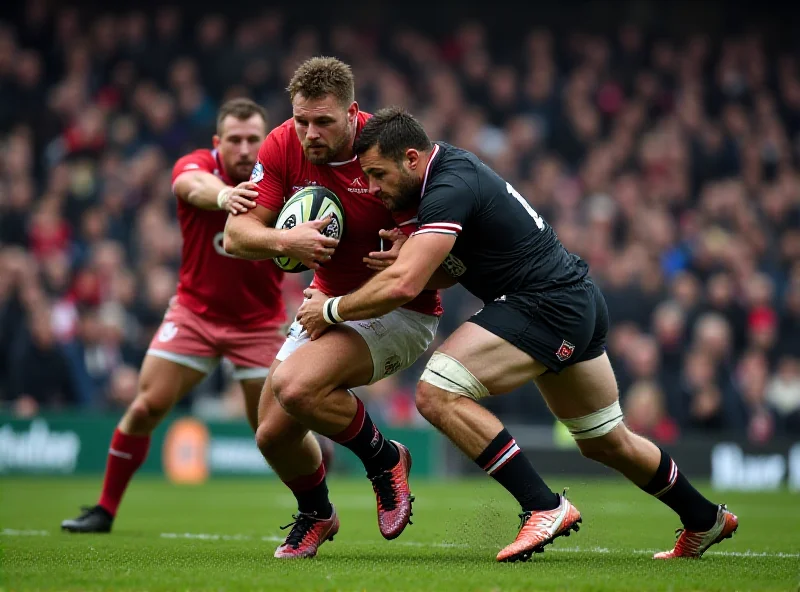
(125, 455)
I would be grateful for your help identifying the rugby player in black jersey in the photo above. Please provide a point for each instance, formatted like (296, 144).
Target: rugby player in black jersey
(543, 320)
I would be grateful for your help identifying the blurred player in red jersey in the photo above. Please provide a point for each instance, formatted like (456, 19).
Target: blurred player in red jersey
(309, 381)
(224, 306)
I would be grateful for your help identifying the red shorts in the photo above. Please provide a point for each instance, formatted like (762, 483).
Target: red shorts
(190, 340)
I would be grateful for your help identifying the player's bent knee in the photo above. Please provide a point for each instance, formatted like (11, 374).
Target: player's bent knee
(595, 425)
(146, 412)
(609, 448)
(428, 399)
(448, 374)
(295, 395)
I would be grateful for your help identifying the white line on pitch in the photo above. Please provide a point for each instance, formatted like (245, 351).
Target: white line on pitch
(200, 536)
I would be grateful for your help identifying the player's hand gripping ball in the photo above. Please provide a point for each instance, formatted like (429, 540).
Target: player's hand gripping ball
(310, 203)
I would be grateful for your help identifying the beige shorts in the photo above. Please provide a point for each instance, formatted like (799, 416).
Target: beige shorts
(395, 340)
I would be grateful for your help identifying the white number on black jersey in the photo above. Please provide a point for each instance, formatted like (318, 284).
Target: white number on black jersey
(536, 217)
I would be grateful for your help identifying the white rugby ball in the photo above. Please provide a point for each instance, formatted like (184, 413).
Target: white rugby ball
(310, 203)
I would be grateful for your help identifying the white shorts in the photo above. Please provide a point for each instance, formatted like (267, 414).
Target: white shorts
(395, 340)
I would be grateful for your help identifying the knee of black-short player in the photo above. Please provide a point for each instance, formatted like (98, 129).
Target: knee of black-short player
(433, 403)
(609, 448)
(296, 392)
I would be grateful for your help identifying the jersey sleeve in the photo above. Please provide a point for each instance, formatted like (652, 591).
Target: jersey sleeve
(269, 173)
(446, 206)
(199, 160)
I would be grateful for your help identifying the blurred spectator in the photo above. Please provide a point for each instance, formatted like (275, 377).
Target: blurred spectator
(783, 393)
(645, 413)
(39, 375)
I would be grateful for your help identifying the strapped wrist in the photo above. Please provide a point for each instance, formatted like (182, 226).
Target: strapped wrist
(330, 311)
(222, 197)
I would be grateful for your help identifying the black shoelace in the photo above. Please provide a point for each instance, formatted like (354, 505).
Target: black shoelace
(383, 485)
(523, 519)
(301, 525)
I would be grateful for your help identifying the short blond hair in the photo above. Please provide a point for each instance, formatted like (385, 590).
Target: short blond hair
(321, 76)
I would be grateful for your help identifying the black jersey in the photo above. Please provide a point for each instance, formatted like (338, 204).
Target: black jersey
(503, 245)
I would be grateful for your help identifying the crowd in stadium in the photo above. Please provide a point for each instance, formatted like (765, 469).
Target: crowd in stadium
(669, 164)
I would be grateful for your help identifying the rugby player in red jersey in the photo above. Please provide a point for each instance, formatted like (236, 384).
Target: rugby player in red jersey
(224, 306)
(309, 381)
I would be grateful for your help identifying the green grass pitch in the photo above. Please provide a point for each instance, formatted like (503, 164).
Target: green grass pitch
(220, 536)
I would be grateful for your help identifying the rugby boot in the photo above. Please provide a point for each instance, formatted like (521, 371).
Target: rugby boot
(92, 519)
(393, 495)
(307, 534)
(538, 529)
(693, 544)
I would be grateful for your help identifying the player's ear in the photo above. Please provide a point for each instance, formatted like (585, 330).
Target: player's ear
(215, 141)
(352, 112)
(412, 156)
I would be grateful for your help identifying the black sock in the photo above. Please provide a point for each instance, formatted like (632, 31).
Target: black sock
(671, 487)
(503, 461)
(311, 493)
(367, 443)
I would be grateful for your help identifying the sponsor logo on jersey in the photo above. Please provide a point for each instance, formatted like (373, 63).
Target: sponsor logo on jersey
(454, 266)
(258, 173)
(168, 332)
(564, 352)
(191, 166)
(358, 186)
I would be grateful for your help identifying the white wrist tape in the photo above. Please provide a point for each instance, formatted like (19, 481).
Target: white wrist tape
(330, 311)
(222, 197)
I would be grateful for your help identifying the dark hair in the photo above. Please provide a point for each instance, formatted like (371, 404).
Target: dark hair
(394, 131)
(240, 108)
(321, 76)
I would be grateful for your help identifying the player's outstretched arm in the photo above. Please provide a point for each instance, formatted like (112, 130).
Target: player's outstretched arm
(206, 191)
(396, 285)
(380, 260)
(401, 282)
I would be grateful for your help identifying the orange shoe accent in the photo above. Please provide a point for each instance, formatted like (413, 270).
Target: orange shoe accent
(693, 544)
(538, 529)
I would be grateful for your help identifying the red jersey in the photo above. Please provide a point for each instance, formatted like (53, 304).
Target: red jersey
(212, 283)
(282, 170)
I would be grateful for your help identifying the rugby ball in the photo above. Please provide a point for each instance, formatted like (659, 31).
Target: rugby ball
(310, 203)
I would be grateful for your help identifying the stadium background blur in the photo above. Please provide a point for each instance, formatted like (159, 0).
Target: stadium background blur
(661, 140)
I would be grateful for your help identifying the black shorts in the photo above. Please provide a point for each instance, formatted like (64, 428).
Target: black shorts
(558, 328)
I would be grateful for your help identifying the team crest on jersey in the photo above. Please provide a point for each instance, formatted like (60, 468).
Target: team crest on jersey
(358, 186)
(168, 332)
(258, 173)
(454, 266)
(564, 352)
